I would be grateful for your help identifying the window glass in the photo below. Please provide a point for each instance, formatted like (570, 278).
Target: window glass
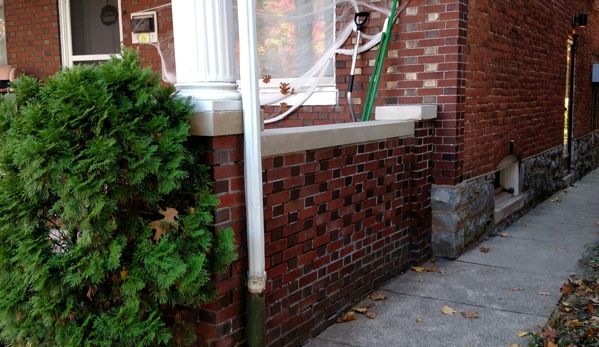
(94, 27)
(2, 35)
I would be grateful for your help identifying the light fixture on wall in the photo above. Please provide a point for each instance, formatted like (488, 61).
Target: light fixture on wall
(580, 20)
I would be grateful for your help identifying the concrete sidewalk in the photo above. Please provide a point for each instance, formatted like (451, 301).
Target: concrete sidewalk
(543, 249)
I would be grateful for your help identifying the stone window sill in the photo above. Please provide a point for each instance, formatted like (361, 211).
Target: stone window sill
(505, 205)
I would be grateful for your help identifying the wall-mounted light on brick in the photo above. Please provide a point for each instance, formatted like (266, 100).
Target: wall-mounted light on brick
(580, 20)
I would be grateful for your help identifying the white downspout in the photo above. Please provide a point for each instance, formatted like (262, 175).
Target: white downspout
(252, 150)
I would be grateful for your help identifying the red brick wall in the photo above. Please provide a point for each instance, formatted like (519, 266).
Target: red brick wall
(339, 222)
(33, 34)
(516, 78)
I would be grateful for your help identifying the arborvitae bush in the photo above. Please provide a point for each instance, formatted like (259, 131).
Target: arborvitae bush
(103, 210)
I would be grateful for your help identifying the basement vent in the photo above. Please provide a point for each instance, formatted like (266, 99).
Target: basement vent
(507, 190)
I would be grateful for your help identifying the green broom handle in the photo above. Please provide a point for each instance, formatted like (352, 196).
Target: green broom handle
(370, 92)
(379, 67)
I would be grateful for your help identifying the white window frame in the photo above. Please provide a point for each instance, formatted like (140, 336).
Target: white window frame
(66, 47)
(325, 94)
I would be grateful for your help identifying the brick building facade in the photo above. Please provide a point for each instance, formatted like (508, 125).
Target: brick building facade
(341, 220)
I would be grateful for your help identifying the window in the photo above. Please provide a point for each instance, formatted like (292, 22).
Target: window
(2, 34)
(292, 36)
(90, 30)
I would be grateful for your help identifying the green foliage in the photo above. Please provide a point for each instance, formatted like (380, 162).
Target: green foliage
(88, 158)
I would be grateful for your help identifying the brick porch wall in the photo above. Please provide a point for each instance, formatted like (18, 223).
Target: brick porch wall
(339, 222)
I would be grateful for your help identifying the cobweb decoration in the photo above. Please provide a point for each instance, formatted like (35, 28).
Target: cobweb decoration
(297, 43)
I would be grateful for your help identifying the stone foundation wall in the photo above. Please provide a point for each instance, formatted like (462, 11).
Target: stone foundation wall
(460, 214)
(463, 214)
(585, 154)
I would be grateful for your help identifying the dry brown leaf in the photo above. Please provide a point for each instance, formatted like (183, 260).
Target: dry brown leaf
(371, 315)
(484, 249)
(504, 235)
(515, 345)
(576, 323)
(591, 309)
(418, 320)
(170, 214)
(266, 79)
(560, 250)
(548, 334)
(594, 319)
(361, 310)
(370, 305)
(467, 314)
(284, 107)
(526, 225)
(566, 289)
(521, 333)
(284, 88)
(556, 199)
(513, 289)
(192, 210)
(418, 268)
(348, 317)
(378, 296)
(124, 274)
(160, 229)
(565, 192)
(420, 280)
(90, 292)
(448, 310)
(597, 224)
(550, 344)
(432, 260)
(292, 91)
(544, 293)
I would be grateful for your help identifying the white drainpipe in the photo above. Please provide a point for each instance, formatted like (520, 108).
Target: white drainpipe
(255, 303)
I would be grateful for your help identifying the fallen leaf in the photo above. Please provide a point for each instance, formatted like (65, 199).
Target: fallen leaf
(484, 249)
(550, 344)
(292, 91)
(170, 214)
(432, 260)
(556, 199)
(513, 289)
(348, 317)
(566, 289)
(467, 314)
(591, 309)
(448, 310)
(504, 235)
(361, 310)
(284, 88)
(544, 293)
(370, 305)
(266, 79)
(424, 269)
(124, 274)
(576, 323)
(160, 229)
(595, 319)
(548, 334)
(284, 107)
(526, 225)
(378, 296)
(418, 320)
(521, 333)
(90, 292)
(560, 250)
(418, 268)
(597, 224)
(565, 192)
(420, 280)
(515, 345)
(371, 315)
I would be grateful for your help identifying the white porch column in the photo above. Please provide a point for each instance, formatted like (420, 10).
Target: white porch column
(205, 54)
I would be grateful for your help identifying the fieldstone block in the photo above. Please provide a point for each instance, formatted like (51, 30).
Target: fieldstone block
(448, 244)
(445, 199)
(448, 221)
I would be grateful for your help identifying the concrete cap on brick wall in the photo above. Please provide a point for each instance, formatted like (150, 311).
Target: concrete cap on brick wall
(405, 112)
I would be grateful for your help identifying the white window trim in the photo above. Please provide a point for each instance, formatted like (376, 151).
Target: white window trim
(325, 94)
(66, 47)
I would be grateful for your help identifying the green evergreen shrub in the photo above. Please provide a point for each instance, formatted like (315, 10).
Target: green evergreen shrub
(103, 210)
